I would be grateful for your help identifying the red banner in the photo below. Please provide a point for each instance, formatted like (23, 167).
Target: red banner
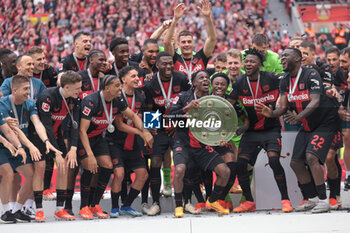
(324, 13)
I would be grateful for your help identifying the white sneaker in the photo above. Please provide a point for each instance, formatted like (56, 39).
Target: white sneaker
(191, 209)
(307, 205)
(154, 210)
(322, 206)
(167, 190)
(30, 212)
(144, 208)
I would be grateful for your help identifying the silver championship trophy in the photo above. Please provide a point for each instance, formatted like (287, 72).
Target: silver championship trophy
(214, 121)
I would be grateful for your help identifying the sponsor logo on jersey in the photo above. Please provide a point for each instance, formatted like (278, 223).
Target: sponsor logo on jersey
(45, 107)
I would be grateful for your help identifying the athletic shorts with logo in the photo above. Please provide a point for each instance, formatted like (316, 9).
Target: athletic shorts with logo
(253, 141)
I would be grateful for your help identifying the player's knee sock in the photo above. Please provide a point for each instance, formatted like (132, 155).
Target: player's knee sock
(217, 193)
(279, 175)
(48, 173)
(196, 181)
(178, 199)
(166, 176)
(155, 183)
(321, 191)
(85, 181)
(340, 170)
(144, 192)
(91, 195)
(124, 190)
(233, 168)
(207, 178)
(332, 187)
(250, 172)
(38, 198)
(102, 183)
(243, 178)
(69, 198)
(115, 199)
(61, 197)
(309, 190)
(131, 196)
(305, 197)
(187, 190)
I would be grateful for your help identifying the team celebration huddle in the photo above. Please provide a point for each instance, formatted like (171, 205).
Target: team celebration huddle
(87, 117)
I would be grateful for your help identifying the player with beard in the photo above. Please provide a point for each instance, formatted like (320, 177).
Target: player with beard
(345, 65)
(58, 107)
(7, 64)
(160, 91)
(203, 156)
(42, 71)
(308, 50)
(147, 66)
(98, 112)
(77, 60)
(332, 57)
(302, 91)
(252, 88)
(186, 61)
(126, 148)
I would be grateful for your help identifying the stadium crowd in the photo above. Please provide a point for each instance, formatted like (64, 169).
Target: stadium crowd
(78, 81)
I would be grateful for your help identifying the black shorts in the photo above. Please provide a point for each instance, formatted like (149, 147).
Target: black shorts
(222, 150)
(317, 142)
(181, 150)
(206, 157)
(337, 142)
(162, 141)
(35, 139)
(98, 144)
(15, 162)
(129, 159)
(253, 141)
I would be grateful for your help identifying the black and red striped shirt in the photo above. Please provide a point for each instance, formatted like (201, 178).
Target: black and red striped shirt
(54, 115)
(267, 93)
(92, 109)
(310, 83)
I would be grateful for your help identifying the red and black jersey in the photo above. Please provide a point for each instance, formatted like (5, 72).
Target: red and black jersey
(69, 63)
(310, 83)
(346, 102)
(145, 75)
(125, 140)
(54, 115)
(182, 100)
(326, 73)
(130, 63)
(87, 88)
(154, 95)
(199, 62)
(267, 93)
(92, 109)
(340, 80)
(48, 76)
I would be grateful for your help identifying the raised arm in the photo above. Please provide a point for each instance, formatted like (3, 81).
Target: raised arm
(211, 40)
(179, 11)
